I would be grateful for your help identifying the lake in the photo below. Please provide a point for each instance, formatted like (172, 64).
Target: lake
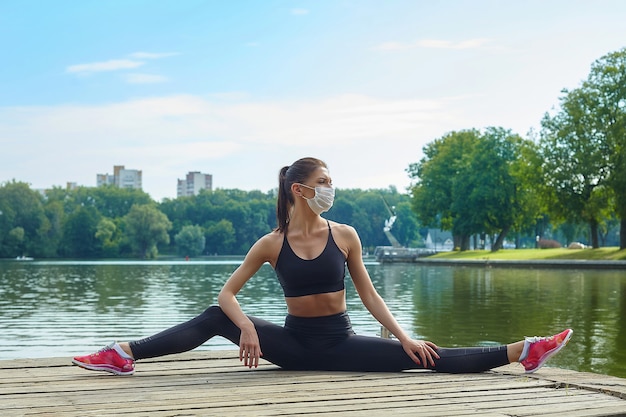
(64, 308)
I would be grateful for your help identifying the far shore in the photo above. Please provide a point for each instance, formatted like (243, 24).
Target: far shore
(560, 256)
(602, 258)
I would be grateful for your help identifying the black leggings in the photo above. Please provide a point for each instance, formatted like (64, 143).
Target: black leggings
(319, 343)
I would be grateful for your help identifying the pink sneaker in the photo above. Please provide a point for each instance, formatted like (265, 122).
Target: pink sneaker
(541, 348)
(106, 359)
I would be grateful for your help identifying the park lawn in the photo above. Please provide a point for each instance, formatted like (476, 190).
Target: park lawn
(601, 254)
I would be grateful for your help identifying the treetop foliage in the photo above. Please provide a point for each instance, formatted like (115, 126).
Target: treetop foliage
(109, 222)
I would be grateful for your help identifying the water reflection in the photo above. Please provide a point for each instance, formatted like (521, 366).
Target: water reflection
(63, 308)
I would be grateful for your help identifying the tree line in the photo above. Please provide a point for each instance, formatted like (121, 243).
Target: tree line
(111, 222)
(570, 175)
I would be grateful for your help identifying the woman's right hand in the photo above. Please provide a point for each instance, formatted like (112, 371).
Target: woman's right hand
(421, 351)
(249, 347)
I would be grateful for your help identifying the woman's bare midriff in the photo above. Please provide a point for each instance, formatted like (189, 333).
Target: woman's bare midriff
(317, 305)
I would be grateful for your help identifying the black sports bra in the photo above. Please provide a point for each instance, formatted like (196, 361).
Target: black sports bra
(299, 277)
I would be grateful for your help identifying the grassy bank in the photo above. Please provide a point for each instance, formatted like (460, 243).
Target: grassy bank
(601, 254)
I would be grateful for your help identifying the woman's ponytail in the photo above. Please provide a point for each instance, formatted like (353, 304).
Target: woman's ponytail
(284, 200)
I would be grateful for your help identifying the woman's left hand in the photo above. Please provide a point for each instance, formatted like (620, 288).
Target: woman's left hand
(249, 347)
(421, 351)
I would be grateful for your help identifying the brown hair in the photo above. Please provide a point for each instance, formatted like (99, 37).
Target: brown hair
(298, 172)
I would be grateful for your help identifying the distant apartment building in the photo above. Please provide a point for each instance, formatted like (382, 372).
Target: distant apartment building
(193, 183)
(122, 178)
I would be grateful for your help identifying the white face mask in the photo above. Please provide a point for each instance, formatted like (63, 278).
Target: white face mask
(323, 199)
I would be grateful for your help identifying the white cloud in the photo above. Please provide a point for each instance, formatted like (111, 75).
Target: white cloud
(343, 120)
(368, 141)
(139, 78)
(168, 136)
(433, 43)
(111, 65)
(124, 64)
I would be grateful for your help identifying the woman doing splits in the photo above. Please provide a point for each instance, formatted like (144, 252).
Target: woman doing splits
(310, 255)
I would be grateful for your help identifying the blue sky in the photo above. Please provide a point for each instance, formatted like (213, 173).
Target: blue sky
(239, 89)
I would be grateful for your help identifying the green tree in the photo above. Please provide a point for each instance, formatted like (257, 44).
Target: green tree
(190, 241)
(472, 183)
(571, 231)
(109, 200)
(438, 179)
(492, 191)
(181, 212)
(527, 169)
(109, 236)
(79, 233)
(220, 237)
(369, 217)
(52, 238)
(576, 161)
(406, 227)
(21, 207)
(15, 240)
(605, 87)
(146, 227)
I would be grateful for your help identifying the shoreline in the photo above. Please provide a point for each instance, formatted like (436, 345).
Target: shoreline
(531, 264)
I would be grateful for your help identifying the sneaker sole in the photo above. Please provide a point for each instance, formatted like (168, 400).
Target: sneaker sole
(547, 355)
(101, 368)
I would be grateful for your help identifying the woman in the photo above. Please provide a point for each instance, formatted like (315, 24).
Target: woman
(309, 255)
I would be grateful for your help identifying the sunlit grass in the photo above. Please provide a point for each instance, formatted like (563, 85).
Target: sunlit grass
(601, 254)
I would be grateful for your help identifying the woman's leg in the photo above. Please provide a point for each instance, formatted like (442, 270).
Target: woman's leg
(277, 344)
(365, 353)
(185, 336)
(362, 353)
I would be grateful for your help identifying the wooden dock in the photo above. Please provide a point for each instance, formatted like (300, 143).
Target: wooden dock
(213, 383)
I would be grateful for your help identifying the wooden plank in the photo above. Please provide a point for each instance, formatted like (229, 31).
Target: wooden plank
(210, 383)
(226, 395)
(290, 405)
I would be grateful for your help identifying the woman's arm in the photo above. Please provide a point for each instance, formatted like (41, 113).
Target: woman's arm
(249, 346)
(377, 306)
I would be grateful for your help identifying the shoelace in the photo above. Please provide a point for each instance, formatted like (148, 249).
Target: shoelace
(535, 339)
(105, 349)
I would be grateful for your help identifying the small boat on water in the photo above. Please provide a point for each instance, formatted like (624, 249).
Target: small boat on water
(24, 258)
